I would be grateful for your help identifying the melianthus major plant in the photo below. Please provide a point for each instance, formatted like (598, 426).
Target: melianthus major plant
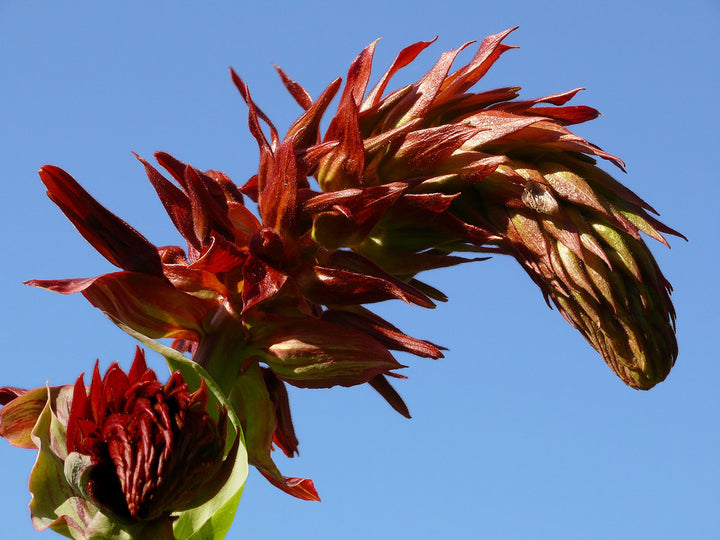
(402, 182)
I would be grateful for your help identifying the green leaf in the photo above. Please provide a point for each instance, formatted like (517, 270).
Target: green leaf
(55, 504)
(19, 417)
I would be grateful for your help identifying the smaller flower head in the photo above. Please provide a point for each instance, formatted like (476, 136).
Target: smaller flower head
(120, 455)
(152, 446)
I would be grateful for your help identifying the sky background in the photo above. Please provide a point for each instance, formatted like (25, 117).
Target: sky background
(521, 431)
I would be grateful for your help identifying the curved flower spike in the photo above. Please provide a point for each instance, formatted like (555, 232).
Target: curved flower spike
(518, 182)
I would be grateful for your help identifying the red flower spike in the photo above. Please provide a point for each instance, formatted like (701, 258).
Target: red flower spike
(511, 166)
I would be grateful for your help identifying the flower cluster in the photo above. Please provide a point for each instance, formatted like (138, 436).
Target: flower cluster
(427, 176)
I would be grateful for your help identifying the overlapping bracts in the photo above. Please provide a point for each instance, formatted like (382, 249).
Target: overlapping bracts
(483, 171)
(400, 183)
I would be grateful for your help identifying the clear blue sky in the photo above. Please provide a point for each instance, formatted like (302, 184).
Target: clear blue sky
(521, 431)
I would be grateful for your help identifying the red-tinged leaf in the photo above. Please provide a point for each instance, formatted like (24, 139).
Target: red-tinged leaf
(209, 212)
(359, 202)
(256, 412)
(344, 166)
(296, 90)
(563, 229)
(404, 57)
(226, 186)
(417, 103)
(309, 158)
(250, 188)
(422, 151)
(260, 282)
(19, 415)
(176, 204)
(427, 203)
(572, 187)
(549, 135)
(8, 393)
(566, 115)
(254, 113)
(114, 239)
(301, 488)
(365, 321)
(494, 126)
(462, 169)
(175, 167)
(359, 75)
(220, 256)
(405, 263)
(96, 396)
(312, 353)
(306, 130)
(603, 183)
(346, 217)
(427, 290)
(359, 265)
(463, 105)
(147, 304)
(284, 434)
(381, 142)
(244, 223)
(278, 186)
(463, 79)
(389, 394)
(81, 407)
(589, 242)
(522, 106)
(330, 286)
(138, 367)
(192, 280)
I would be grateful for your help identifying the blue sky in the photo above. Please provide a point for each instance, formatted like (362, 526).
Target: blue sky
(521, 431)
